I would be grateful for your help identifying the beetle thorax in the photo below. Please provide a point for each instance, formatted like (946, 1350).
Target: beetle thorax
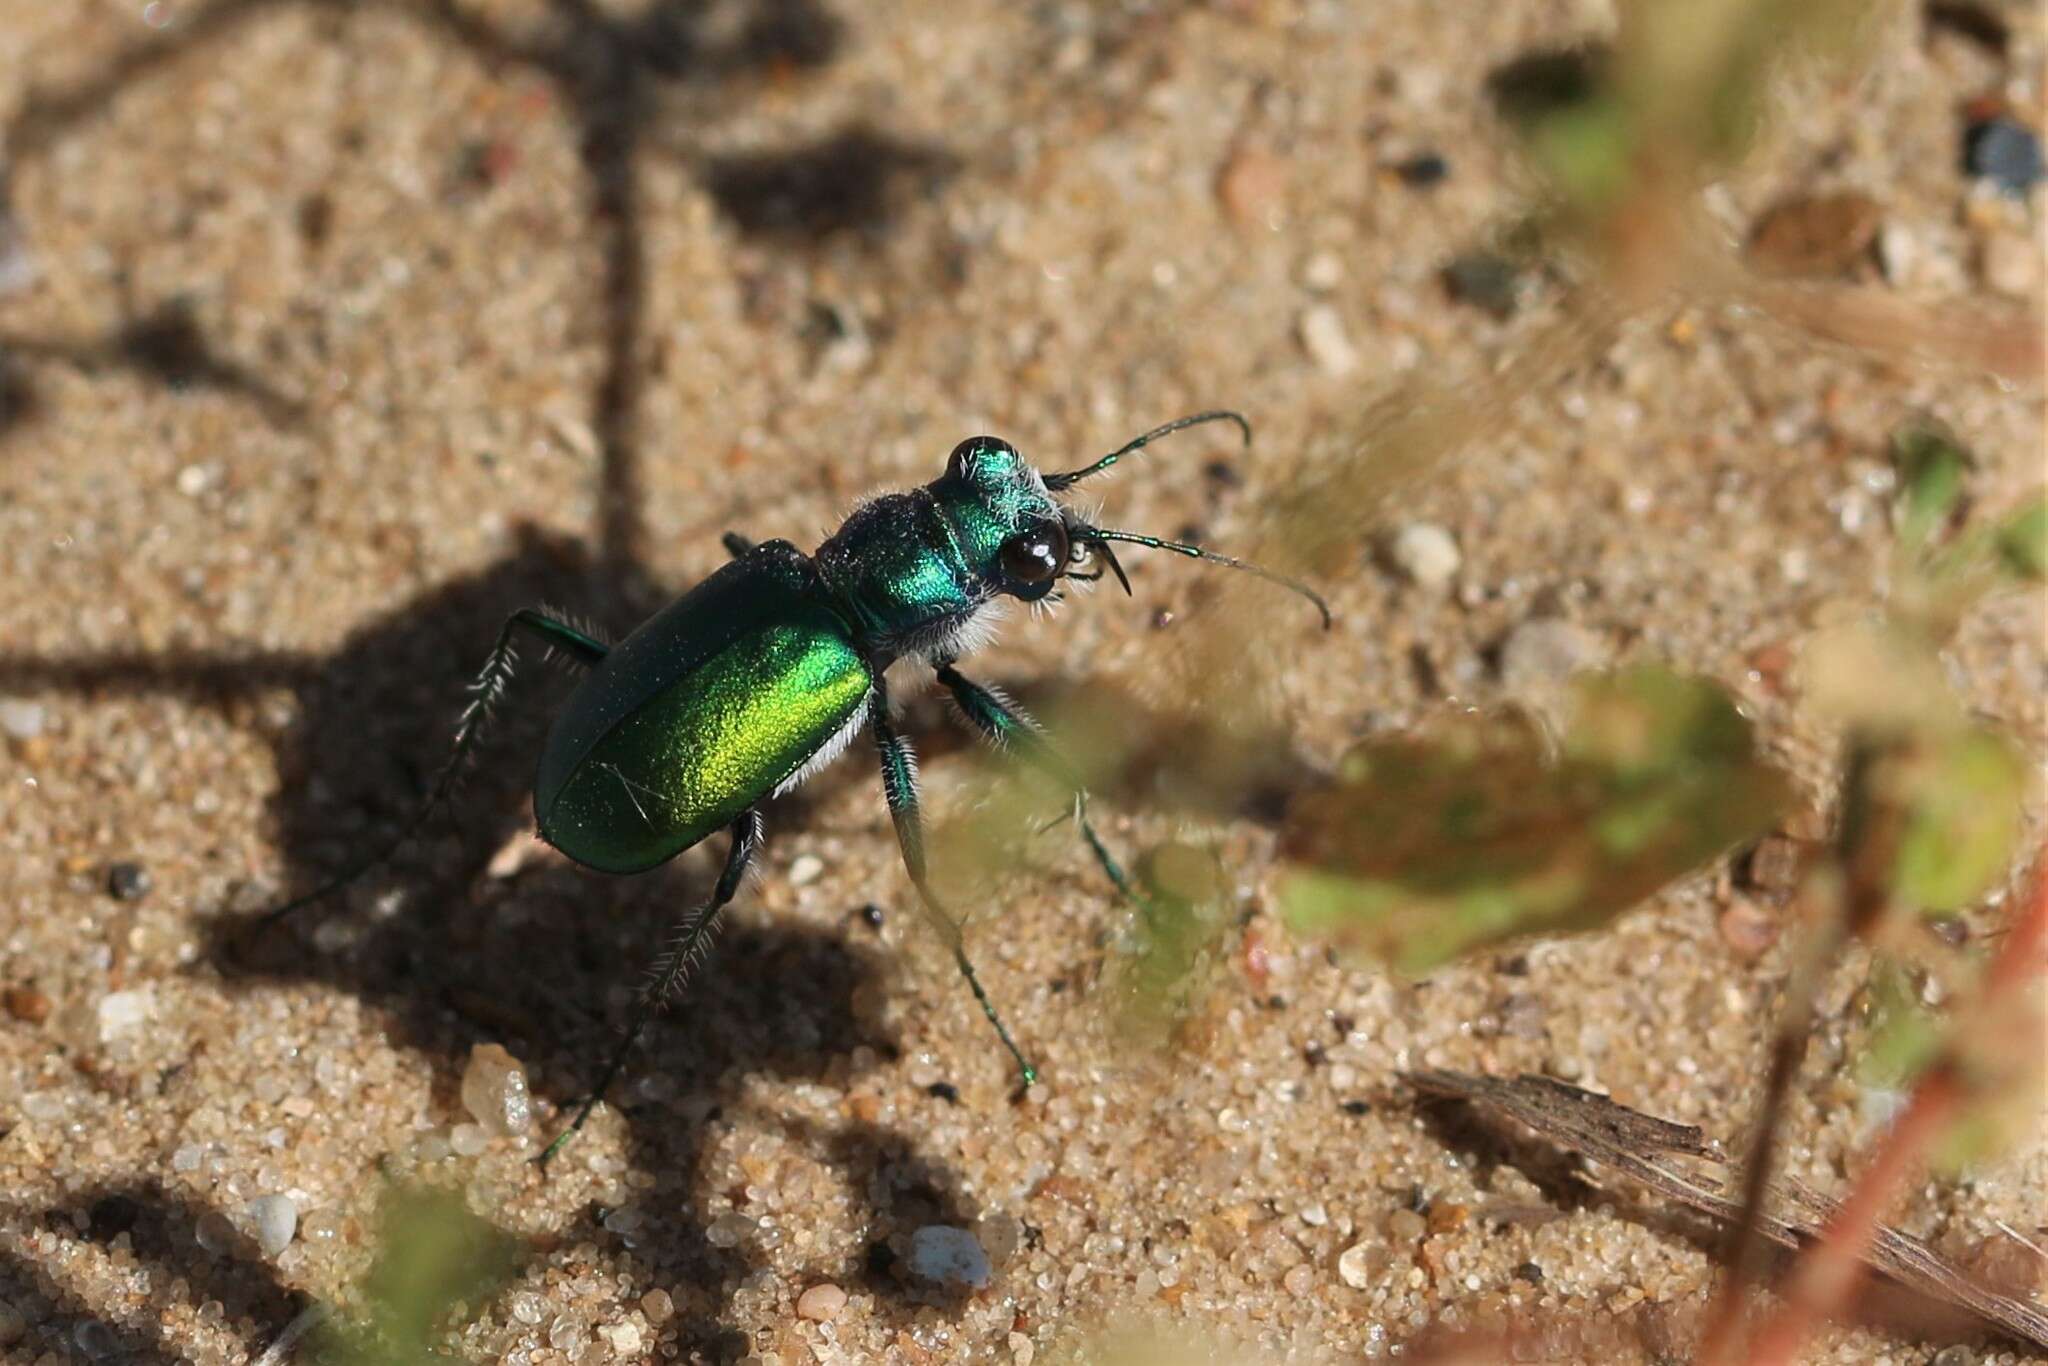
(922, 573)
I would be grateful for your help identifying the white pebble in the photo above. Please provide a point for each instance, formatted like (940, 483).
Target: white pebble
(22, 720)
(624, 1337)
(215, 1232)
(1545, 652)
(494, 1090)
(949, 1255)
(44, 1105)
(1327, 344)
(273, 1219)
(1022, 1350)
(193, 479)
(1426, 554)
(468, 1140)
(727, 1229)
(1354, 1265)
(124, 1012)
(1322, 272)
(821, 1303)
(1897, 251)
(806, 869)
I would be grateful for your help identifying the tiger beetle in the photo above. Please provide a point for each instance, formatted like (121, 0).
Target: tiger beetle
(763, 673)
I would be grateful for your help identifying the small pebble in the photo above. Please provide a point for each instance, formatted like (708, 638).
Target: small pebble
(949, 1256)
(216, 1233)
(1322, 272)
(468, 1140)
(1815, 234)
(1545, 652)
(127, 881)
(123, 1012)
(13, 1326)
(1484, 281)
(321, 1226)
(1252, 185)
(21, 720)
(95, 1339)
(494, 1091)
(1299, 1281)
(1022, 1350)
(805, 869)
(624, 1338)
(18, 269)
(44, 1106)
(272, 1220)
(1424, 171)
(28, 1005)
(657, 1306)
(2005, 152)
(1323, 337)
(566, 1333)
(1897, 253)
(2010, 263)
(1426, 554)
(728, 1229)
(1357, 1264)
(821, 1303)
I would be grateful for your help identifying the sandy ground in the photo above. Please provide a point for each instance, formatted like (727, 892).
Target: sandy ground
(334, 333)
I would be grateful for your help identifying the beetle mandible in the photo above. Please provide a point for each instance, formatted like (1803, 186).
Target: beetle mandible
(763, 673)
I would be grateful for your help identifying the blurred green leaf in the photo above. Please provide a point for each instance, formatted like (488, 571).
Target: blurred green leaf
(436, 1263)
(1904, 1033)
(1960, 797)
(2023, 541)
(1933, 472)
(1429, 847)
(1168, 954)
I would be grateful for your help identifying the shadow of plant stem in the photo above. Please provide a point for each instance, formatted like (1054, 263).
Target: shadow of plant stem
(375, 715)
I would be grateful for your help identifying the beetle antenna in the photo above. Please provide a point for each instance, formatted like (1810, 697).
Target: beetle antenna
(1195, 552)
(1138, 443)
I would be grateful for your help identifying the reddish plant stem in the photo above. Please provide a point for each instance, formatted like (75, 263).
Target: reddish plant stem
(1827, 1275)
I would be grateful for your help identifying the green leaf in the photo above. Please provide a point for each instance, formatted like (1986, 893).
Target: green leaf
(1167, 956)
(1933, 472)
(2023, 542)
(1960, 798)
(436, 1263)
(1432, 846)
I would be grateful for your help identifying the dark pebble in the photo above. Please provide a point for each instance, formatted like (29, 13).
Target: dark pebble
(1530, 1272)
(127, 881)
(1355, 1108)
(944, 1090)
(871, 916)
(1423, 172)
(2005, 152)
(1484, 281)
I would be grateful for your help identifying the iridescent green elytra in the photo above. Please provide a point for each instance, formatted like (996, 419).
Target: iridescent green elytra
(765, 671)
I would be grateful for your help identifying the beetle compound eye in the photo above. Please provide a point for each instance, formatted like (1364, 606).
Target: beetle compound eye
(1035, 556)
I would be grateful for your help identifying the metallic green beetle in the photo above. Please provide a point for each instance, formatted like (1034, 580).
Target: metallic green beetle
(764, 672)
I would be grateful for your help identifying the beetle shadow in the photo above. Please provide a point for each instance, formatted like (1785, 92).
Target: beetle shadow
(157, 1228)
(617, 75)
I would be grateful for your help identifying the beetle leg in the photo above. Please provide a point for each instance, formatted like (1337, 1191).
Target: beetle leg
(484, 692)
(688, 941)
(899, 789)
(735, 544)
(1003, 724)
